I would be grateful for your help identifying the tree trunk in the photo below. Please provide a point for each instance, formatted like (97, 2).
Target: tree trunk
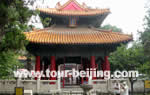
(132, 82)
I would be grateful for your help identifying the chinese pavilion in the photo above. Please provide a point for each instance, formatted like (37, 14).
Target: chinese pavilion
(73, 40)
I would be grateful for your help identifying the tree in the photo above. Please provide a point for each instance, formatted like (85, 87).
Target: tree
(130, 59)
(110, 27)
(9, 62)
(127, 58)
(13, 22)
(145, 68)
(145, 35)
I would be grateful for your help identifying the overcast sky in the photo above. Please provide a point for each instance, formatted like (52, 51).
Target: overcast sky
(125, 14)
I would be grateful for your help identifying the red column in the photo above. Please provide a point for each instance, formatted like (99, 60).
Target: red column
(53, 67)
(93, 65)
(37, 65)
(106, 64)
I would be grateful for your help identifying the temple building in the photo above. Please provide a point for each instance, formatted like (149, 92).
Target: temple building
(73, 40)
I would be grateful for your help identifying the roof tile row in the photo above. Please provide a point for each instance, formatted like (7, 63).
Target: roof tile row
(65, 36)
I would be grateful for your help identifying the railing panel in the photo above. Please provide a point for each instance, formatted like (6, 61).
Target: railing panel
(100, 85)
(28, 85)
(7, 86)
(46, 87)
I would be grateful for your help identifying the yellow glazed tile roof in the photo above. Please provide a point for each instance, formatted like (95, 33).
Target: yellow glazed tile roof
(90, 12)
(82, 35)
(85, 12)
(22, 58)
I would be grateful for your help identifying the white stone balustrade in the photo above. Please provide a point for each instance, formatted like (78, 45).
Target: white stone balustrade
(44, 86)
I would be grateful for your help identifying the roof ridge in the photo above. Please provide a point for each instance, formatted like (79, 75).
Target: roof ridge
(69, 1)
(40, 30)
(37, 31)
(119, 33)
(110, 31)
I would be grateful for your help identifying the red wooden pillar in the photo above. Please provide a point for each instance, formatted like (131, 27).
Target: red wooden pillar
(93, 66)
(53, 67)
(106, 64)
(37, 65)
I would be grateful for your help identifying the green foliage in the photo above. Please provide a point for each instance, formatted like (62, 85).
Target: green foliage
(145, 68)
(129, 58)
(46, 21)
(8, 63)
(14, 39)
(110, 27)
(13, 22)
(145, 36)
(12, 11)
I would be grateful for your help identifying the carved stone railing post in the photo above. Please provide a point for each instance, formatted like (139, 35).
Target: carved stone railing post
(109, 85)
(90, 80)
(58, 83)
(37, 85)
(18, 82)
